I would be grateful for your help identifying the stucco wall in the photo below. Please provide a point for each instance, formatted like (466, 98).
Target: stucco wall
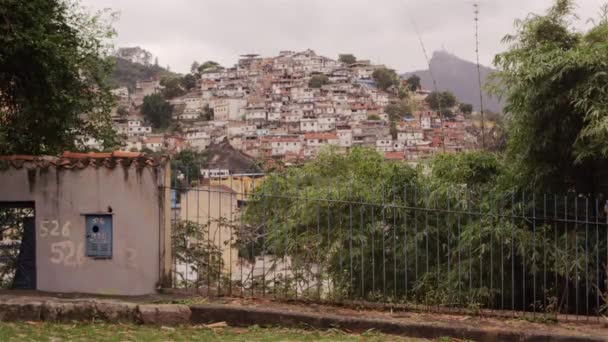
(61, 196)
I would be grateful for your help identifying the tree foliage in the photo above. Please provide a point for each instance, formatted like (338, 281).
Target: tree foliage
(555, 82)
(317, 81)
(53, 68)
(173, 87)
(157, 111)
(441, 100)
(347, 58)
(397, 110)
(385, 78)
(465, 108)
(413, 82)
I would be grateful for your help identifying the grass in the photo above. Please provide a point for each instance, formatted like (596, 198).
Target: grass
(38, 331)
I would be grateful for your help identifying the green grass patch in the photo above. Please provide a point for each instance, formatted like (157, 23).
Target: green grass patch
(37, 331)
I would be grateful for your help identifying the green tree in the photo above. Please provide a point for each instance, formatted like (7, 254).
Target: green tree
(554, 79)
(53, 68)
(442, 101)
(385, 78)
(347, 58)
(122, 111)
(207, 113)
(317, 81)
(189, 163)
(208, 65)
(465, 108)
(397, 110)
(173, 87)
(188, 81)
(413, 82)
(157, 110)
(373, 117)
(194, 68)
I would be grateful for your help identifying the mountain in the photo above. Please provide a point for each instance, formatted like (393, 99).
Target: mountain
(459, 76)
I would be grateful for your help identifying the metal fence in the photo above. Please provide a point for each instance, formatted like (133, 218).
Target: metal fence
(427, 247)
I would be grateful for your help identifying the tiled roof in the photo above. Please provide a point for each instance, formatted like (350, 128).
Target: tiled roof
(75, 160)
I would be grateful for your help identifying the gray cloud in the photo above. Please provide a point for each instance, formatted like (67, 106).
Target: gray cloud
(180, 31)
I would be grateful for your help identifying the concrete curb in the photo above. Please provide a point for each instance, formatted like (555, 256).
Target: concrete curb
(68, 310)
(246, 316)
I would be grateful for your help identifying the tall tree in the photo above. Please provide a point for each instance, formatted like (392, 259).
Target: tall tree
(53, 68)
(413, 83)
(317, 81)
(208, 65)
(157, 111)
(441, 100)
(347, 58)
(555, 82)
(385, 78)
(465, 108)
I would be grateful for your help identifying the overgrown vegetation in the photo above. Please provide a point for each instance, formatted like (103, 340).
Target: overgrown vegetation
(53, 72)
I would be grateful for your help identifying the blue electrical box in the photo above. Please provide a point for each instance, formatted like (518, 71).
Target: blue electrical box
(98, 236)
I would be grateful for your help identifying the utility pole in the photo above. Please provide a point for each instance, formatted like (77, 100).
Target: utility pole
(483, 125)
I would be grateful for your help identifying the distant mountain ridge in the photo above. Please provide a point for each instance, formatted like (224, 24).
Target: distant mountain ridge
(459, 76)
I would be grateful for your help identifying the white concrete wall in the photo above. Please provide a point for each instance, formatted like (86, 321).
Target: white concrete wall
(62, 197)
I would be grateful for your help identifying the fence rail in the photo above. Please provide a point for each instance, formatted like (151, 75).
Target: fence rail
(422, 245)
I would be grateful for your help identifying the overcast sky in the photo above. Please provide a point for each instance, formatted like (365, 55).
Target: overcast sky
(181, 31)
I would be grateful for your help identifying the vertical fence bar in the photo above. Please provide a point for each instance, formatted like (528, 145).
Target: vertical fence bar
(382, 235)
(209, 236)
(567, 290)
(362, 245)
(576, 276)
(328, 196)
(459, 256)
(320, 237)
(544, 252)
(534, 254)
(491, 200)
(513, 252)
(394, 241)
(350, 233)
(275, 234)
(405, 239)
(220, 244)
(555, 251)
(470, 244)
(415, 233)
(597, 259)
(296, 243)
(449, 238)
(264, 204)
(198, 197)
(230, 246)
(480, 220)
(523, 273)
(501, 205)
(372, 233)
(306, 257)
(241, 213)
(187, 222)
(426, 235)
(586, 257)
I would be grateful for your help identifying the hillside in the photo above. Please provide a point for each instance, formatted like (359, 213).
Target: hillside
(126, 72)
(459, 76)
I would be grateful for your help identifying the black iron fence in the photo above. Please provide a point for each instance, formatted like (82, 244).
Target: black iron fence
(449, 248)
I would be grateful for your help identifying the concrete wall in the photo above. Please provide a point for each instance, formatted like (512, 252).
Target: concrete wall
(206, 205)
(61, 196)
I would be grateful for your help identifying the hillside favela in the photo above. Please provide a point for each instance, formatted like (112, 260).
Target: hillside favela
(304, 170)
(286, 108)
